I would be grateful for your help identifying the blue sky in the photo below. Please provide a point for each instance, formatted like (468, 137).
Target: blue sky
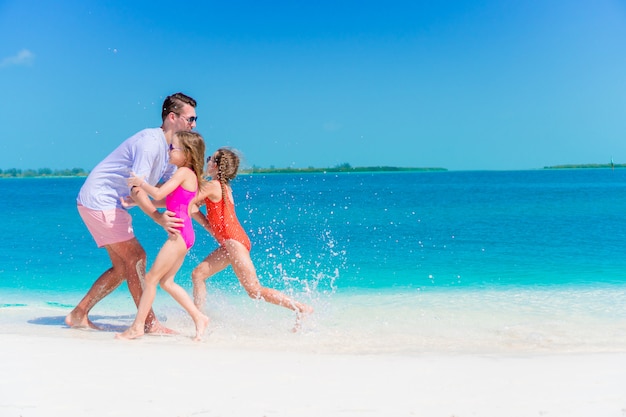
(464, 85)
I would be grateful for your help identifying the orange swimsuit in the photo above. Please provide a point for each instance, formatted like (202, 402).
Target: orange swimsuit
(223, 220)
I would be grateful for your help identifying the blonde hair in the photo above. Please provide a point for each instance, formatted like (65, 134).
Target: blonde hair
(193, 146)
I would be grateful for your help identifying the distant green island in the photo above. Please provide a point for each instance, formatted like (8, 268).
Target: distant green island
(338, 168)
(79, 172)
(347, 168)
(585, 166)
(42, 172)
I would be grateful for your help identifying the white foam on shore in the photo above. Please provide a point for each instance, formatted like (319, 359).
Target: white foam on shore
(409, 322)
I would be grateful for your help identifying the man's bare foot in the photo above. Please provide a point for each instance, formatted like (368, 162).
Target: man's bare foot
(76, 320)
(157, 328)
(130, 333)
(303, 311)
(201, 325)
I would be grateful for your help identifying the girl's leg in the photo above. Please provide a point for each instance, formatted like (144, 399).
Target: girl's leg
(180, 295)
(177, 292)
(166, 257)
(145, 305)
(211, 265)
(239, 258)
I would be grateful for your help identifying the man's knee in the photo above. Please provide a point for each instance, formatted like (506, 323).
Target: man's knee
(129, 253)
(136, 254)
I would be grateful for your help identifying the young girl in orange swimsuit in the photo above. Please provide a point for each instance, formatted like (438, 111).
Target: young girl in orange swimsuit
(187, 153)
(221, 221)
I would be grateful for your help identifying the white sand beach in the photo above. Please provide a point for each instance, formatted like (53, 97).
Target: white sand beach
(66, 372)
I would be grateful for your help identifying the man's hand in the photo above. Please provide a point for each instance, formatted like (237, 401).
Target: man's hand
(127, 202)
(170, 222)
(134, 180)
(166, 220)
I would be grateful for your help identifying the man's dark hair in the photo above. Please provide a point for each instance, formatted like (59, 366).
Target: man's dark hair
(174, 103)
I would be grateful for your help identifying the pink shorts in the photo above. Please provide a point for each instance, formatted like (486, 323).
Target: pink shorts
(107, 226)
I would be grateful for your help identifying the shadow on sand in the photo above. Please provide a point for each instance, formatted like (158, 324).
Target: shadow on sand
(106, 326)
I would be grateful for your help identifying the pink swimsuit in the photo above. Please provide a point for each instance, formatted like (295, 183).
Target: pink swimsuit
(178, 202)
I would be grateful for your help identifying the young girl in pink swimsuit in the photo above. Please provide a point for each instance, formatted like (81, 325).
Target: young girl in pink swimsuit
(187, 153)
(221, 221)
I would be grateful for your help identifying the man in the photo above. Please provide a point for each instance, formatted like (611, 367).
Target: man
(99, 203)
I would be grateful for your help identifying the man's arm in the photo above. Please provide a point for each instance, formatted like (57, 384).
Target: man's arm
(166, 219)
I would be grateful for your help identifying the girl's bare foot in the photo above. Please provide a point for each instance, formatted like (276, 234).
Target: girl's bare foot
(130, 333)
(201, 325)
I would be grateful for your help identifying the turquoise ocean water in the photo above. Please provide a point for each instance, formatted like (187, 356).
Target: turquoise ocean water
(392, 262)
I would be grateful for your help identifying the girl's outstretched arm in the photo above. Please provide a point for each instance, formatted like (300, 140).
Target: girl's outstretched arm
(166, 219)
(157, 193)
(200, 218)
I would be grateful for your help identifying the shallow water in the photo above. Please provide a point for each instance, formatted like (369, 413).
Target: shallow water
(395, 263)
